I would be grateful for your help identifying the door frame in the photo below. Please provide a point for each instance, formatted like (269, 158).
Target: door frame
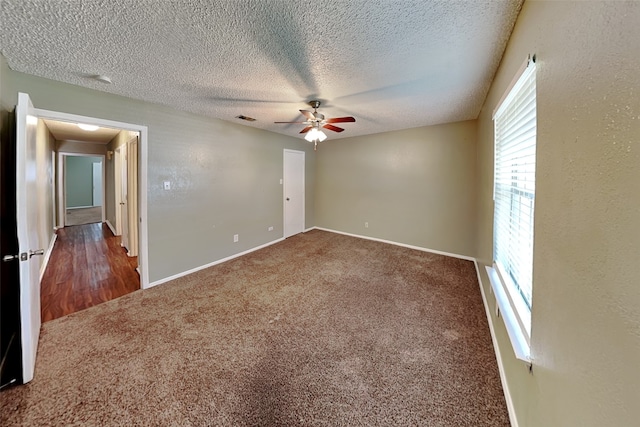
(62, 187)
(284, 190)
(121, 187)
(101, 176)
(143, 132)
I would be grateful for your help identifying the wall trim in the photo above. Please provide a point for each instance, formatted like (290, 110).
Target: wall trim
(404, 245)
(69, 208)
(111, 227)
(211, 264)
(503, 376)
(47, 256)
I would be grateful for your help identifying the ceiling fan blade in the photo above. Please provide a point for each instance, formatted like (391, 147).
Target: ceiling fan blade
(308, 114)
(333, 128)
(307, 129)
(341, 120)
(291, 122)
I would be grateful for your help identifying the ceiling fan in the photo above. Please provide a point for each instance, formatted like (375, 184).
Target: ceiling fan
(316, 120)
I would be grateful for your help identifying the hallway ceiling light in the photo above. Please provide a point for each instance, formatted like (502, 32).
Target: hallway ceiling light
(90, 128)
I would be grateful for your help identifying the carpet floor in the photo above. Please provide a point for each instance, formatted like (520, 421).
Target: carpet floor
(318, 330)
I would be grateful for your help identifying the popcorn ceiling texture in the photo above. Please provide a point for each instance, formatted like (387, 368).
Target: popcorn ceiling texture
(318, 330)
(393, 64)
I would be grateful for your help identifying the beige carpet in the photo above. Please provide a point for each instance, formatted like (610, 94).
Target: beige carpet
(319, 330)
(81, 216)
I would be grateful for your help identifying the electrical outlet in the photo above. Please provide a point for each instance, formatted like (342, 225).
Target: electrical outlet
(235, 238)
(366, 225)
(167, 185)
(270, 228)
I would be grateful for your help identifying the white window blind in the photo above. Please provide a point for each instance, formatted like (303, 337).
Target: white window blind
(514, 189)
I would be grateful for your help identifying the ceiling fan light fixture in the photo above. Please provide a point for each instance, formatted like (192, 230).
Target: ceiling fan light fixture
(315, 134)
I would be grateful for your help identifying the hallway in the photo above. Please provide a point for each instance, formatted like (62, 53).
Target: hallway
(87, 267)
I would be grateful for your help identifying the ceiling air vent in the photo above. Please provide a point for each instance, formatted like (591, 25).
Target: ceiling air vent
(249, 119)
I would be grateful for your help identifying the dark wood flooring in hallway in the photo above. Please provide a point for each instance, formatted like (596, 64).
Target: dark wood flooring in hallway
(87, 267)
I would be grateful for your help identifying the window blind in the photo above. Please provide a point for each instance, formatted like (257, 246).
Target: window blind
(514, 184)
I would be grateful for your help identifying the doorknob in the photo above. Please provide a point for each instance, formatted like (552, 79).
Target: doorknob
(36, 252)
(122, 203)
(7, 258)
(287, 199)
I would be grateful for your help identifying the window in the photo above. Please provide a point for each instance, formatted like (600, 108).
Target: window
(514, 203)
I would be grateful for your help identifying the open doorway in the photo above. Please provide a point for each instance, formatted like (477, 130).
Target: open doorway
(126, 193)
(83, 189)
(89, 197)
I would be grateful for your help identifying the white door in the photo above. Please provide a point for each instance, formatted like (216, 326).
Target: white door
(293, 192)
(27, 221)
(97, 184)
(132, 193)
(124, 211)
(117, 190)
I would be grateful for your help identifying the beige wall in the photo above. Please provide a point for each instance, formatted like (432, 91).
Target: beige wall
(45, 144)
(586, 294)
(225, 176)
(81, 147)
(414, 186)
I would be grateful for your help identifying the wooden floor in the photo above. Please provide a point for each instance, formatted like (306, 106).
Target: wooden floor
(87, 267)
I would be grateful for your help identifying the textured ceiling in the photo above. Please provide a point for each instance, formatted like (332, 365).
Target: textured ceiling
(64, 131)
(392, 64)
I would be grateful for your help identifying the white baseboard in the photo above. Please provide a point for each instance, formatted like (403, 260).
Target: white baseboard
(503, 377)
(111, 227)
(79, 207)
(418, 248)
(47, 255)
(211, 264)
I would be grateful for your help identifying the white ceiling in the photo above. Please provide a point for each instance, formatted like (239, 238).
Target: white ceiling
(392, 64)
(65, 131)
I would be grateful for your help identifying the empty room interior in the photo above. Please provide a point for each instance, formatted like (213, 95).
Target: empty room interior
(321, 209)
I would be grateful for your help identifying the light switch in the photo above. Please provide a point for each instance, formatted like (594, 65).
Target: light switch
(167, 185)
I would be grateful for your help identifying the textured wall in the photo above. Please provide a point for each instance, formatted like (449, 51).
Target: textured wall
(414, 186)
(586, 299)
(225, 177)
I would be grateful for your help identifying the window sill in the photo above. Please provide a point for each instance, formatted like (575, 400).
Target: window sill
(519, 341)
